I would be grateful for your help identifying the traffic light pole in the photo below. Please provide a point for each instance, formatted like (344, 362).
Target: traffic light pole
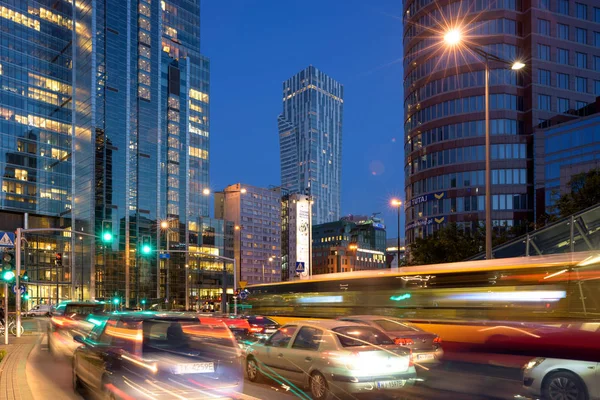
(6, 313)
(17, 277)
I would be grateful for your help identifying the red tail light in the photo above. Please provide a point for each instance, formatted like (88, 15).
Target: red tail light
(256, 329)
(411, 362)
(403, 341)
(437, 340)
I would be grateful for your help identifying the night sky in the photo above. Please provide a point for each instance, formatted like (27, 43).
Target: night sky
(254, 45)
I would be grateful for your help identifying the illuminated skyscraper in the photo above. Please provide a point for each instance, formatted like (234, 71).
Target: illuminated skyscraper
(310, 140)
(444, 102)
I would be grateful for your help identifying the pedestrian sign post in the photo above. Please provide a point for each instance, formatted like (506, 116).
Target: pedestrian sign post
(243, 295)
(243, 284)
(300, 267)
(22, 289)
(7, 239)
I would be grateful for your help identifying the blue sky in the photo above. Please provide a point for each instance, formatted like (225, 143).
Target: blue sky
(254, 45)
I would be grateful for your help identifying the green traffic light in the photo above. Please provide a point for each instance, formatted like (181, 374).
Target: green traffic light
(116, 300)
(107, 237)
(146, 249)
(143, 301)
(26, 296)
(8, 275)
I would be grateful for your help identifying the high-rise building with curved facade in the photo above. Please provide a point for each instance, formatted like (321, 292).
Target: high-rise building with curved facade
(444, 103)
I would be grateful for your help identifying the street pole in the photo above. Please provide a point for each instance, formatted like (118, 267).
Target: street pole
(17, 286)
(6, 313)
(398, 248)
(81, 260)
(310, 224)
(168, 264)
(488, 172)
(263, 273)
(235, 286)
(224, 289)
(187, 288)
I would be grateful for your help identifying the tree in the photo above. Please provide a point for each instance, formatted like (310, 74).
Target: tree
(585, 192)
(448, 244)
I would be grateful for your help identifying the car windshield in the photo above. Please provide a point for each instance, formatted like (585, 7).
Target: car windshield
(184, 334)
(82, 310)
(388, 325)
(261, 321)
(352, 336)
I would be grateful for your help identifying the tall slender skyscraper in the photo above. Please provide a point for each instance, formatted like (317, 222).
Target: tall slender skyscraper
(310, 140)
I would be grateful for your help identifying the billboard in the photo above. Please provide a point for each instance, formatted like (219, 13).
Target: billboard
(302, 235)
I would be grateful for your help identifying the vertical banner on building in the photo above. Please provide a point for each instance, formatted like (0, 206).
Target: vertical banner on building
(302, 236)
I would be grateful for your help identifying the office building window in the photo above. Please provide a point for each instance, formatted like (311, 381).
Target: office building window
(597, 39)
(581, 35)
(562, 31)
(544, 102)
(563, 104)
(563, 56)
(580, 104)
(544, 4)
(597, 14)
(544, 77)
(581, 10)
(544, 27)
(597, 88)
(543, 52)
(563, 7)
(581, 84)
(562, 80)
(581, 60)
(597, 63)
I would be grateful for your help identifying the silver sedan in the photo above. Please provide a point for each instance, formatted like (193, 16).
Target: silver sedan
(556, 379)
(331, 358)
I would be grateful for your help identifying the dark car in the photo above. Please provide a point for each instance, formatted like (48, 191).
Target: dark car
(165, 355)
(70, 319)
(261, 327)
(426, 347)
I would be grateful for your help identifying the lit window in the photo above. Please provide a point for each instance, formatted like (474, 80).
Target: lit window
(144, 9)
(198, 95)
(59, 154)
(144, 78)
(21, 174)
(172, 32)
(19, 18)
(144, 23)
(144, 51)
(144, 92)
(145, 38)
(198, 153)
(144, 65)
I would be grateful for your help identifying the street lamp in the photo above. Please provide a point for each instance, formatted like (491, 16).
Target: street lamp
(397, 203)
(454, 38)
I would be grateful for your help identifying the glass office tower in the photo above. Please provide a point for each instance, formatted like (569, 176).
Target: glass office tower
(310, 140)
(444, 103)
(104, 127)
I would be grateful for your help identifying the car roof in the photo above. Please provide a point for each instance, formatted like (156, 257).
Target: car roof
(369, 317)
(325, 323)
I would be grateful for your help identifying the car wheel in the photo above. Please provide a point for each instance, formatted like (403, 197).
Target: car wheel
(318, 387)
(253, 370)
(564, 386)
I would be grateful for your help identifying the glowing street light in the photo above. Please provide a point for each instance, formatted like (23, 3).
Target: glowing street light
(206, 191)
(164, 225)
(453, 38)
(397, 203)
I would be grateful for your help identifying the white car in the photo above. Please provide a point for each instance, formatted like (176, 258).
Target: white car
(557, 379)
(41, 310)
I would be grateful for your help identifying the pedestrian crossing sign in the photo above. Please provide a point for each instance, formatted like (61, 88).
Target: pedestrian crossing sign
(7, 239)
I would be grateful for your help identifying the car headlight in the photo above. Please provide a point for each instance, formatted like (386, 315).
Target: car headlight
(534, 363)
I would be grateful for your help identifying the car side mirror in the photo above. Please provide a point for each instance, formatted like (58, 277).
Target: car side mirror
(79, 339)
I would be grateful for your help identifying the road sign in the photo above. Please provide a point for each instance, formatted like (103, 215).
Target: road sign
(300, 267)
(164, 255)
(7, 239)
(242, 284)
(243, 295)
(22, 289)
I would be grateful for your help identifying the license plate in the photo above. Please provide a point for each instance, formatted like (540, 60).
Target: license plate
(390, 384)
(195, 368)
(424, 357)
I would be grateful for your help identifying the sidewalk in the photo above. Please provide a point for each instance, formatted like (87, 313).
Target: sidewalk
(13, 379)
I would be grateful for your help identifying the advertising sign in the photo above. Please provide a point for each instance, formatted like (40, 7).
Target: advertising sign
(302, 234)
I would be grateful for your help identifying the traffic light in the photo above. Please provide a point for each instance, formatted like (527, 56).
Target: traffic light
(116, 301)
(146, 246)
(24, 276)
(107, 232)
(25, 296)
(58, 259)
(8, 268)
(143, 301)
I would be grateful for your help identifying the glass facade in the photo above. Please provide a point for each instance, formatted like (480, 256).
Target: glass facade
(104, 125)
(444, 105)
(310, 139)
(569, 149)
